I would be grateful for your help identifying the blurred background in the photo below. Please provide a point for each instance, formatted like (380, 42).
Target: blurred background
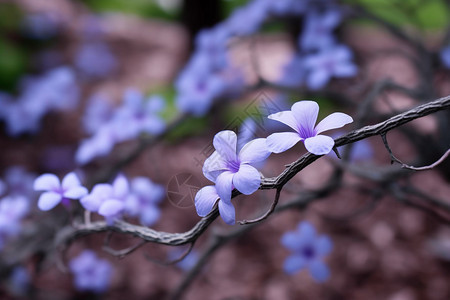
(140, 88)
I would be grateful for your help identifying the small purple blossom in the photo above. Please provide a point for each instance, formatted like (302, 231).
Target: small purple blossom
(318, 32)
(56, 191)
(42, 26)
(19, 281)
(188, 262)
(108, 200)
(91, 273)
(99, 110)
(95, 60)
(228, 170)
(12, 210)
(308, 250)
(445, 56)
(332, 61)
(302, 118)
(143, 199)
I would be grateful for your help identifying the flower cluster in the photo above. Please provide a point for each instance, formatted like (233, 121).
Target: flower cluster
(16, 190)
(231, 167)
(91, 274)
(209, 75)
(137, 114)
(38, 96)
(320, 56)
(138, 199)
(308, 250)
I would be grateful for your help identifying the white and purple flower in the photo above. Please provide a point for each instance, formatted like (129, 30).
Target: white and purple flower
(228, 170)
(56, 191)
(302, 118)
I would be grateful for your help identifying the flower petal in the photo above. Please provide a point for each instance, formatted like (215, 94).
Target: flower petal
(46, 182)
(214, 166)
(291, 240)
(323, 245)
(150, 215)
(205, 199)
(247, 180)
(227, 212)
(70, 180)
(285, 117)
(319, 145)
(225, 143)
(120, 187)
(282, 141)
(91, 202)
(254, 151)
(293, 264)
(319, 271)
(111, 208)
(333, 121)
(224, 185)
(305, 112)
(76, 192)
(49, 200)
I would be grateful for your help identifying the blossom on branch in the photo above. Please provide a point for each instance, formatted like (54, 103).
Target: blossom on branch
(56, 191)
(302, 118)
(308, 251)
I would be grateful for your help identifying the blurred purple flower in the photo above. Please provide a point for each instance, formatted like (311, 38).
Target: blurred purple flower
(293, 73)
(318, 30)
(360, 150)
(143, 199)
(108, 200)
(302, 118)
(19, 181)
(91, 273)
(3, 187)
(247, 19)
(99, 111)
(56, 191)
(95, 60)
(308, 251)
(19, 281)
(332, 61)
(287, 7)
(12, 210)
(42, 26)
(445, 56)
(186, 263)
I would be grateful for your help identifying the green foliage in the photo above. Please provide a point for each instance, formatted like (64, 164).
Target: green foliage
(427, 15)
(13, 64)
(143, 8)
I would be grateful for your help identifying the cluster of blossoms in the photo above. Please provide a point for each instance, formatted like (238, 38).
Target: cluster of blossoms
(137, 199)
(38, 96)
(308, 250)
(320, 56)
(209, 75)
(206, 77)
(91, 273)
(109, 126)
(94, 58)
(17, 192)
(231, 167)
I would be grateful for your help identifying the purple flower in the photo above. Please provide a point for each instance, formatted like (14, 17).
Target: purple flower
(108, 200)
(90, 272)
(143, 199)
(293, 74)
(308, 251)
(302, 117)
(318, 30)
(56, 191)
(42, 26)
(99, 111)
(445, 56)
(333, 61)
(19, 281)
(186, 263)
(230, 170)
(12, 210)
(95, 60)
(18, 181)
